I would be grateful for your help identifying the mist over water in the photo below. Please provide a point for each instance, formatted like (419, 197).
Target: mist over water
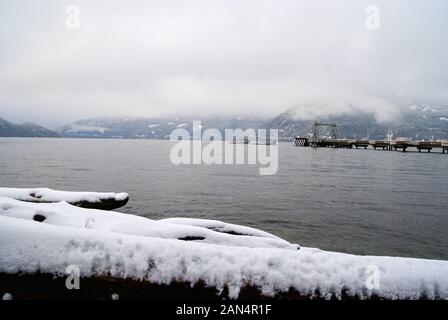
(355, 201)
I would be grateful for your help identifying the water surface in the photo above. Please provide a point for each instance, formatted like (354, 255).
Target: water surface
(355, 201)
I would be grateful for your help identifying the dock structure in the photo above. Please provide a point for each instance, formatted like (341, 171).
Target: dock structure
(400, 144)
(332, 143)
(429, 145)
(317, 141)
(394, 145)
(380, 144)
(361, 144)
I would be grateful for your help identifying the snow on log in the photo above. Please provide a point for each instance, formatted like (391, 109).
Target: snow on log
(118, 246)
(220, 226)
(64, 214)
(93, 200)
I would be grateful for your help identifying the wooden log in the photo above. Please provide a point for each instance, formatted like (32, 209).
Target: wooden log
(89, 200)
(43, 286)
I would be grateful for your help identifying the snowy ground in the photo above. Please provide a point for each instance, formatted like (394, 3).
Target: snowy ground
(48, 237)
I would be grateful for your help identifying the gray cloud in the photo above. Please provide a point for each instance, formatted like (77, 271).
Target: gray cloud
(255, 57)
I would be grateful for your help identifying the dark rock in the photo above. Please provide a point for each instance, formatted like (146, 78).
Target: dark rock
(32, 194)
(39, 217)
(191, 238)
(104, 204)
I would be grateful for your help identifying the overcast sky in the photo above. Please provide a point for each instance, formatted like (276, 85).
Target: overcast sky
(245, 57)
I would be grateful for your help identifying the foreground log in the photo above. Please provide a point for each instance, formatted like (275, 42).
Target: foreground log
(44, 286)
(89, 200)
(135, 257)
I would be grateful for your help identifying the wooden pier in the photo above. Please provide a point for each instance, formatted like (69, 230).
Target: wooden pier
(395, 145)
(361, 144)
(381, 144)
(429, 145)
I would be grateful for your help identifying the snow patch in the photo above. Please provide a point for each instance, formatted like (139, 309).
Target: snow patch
(86, 128)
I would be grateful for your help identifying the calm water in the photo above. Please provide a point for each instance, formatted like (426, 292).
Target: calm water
(356, 201)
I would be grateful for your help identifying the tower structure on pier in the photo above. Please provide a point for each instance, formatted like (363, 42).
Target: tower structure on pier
(315, 137)
(390, 135)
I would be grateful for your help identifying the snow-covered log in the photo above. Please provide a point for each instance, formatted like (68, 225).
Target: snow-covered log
(220, 226)
(44, 239)
(93, 200)
(65, 215)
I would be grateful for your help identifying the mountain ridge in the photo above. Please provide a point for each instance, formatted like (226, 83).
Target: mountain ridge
(416, 121)
(25, 130)
(149, 128)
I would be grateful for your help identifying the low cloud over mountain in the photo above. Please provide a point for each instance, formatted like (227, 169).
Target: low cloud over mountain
(416, 121)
